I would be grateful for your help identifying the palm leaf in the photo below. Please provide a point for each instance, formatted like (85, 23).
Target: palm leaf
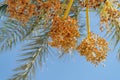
(13, 32)
(114, 34)
(35, 53)
(3, 8)
(119, 54)
(10, 34)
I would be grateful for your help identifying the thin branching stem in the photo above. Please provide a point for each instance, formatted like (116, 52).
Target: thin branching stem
(68, 9)
(87, 19)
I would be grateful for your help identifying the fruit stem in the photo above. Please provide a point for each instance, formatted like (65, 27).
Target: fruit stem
(68, 9)
(87, 19)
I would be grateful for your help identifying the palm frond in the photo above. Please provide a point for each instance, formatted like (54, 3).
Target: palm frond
(10, 34)
(13, 32)
(35, 54)
(115, 32)
(3, 8)
(119, 54)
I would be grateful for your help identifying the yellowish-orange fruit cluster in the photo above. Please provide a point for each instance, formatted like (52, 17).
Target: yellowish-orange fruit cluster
(109, 14)
(64, 33)
(21, 10)
(92, 3)
(50, 5)
(94, 48)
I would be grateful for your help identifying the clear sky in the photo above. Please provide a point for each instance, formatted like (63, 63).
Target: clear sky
(69, 67)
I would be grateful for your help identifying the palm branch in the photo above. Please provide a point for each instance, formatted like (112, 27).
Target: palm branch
(3, 8)
(35, 53)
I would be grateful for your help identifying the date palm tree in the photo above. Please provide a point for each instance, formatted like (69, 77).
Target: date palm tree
(45, 24)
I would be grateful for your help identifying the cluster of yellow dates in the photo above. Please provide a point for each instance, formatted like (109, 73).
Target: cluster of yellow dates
(109, 14)
(23, 10)
(94, 48)
(64, 33)
(53, 5)
(92, 3)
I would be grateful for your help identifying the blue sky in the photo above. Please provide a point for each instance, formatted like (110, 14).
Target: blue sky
(69, 67)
